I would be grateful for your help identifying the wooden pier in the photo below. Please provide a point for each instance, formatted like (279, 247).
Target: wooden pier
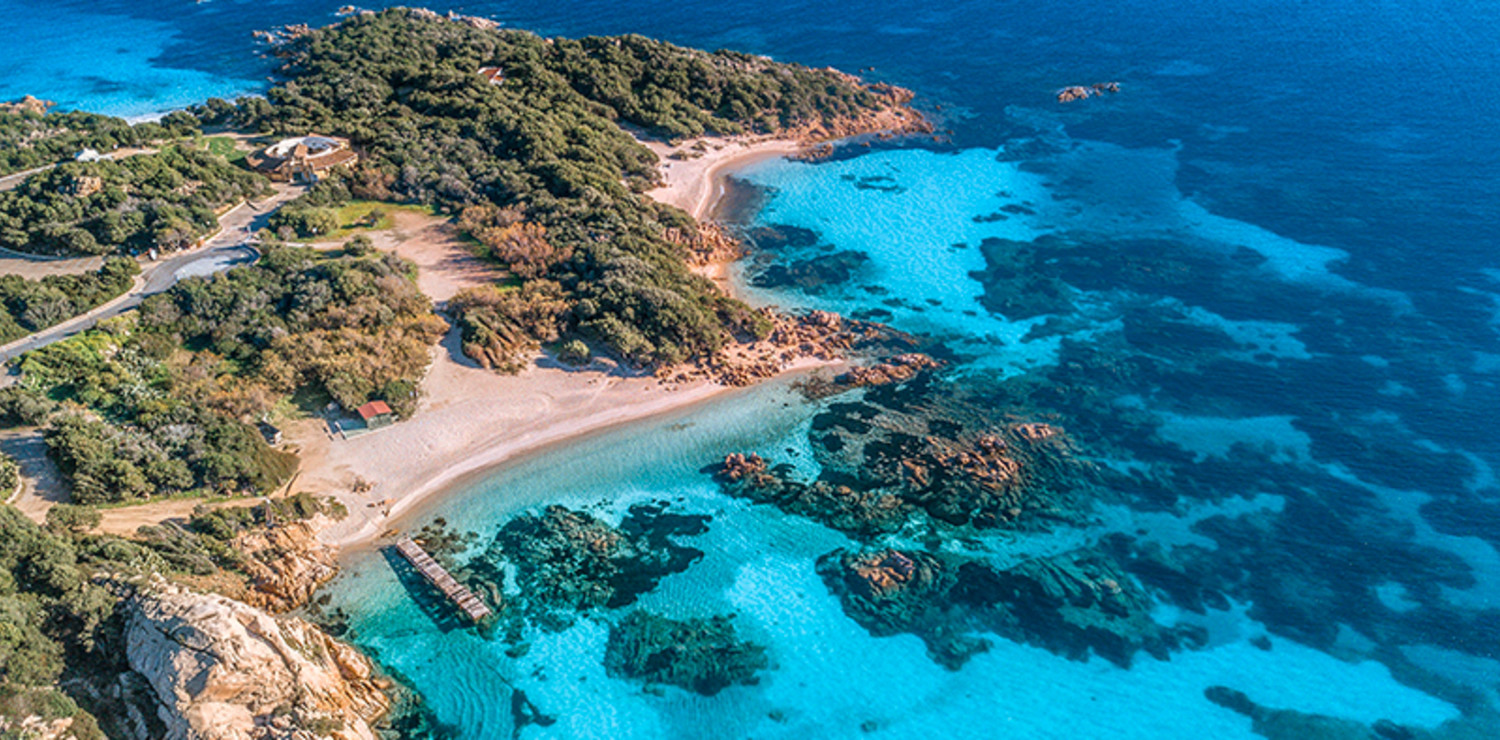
(434, 573)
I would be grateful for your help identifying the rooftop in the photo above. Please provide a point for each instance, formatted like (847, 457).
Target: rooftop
(313, 145)
(373, 409)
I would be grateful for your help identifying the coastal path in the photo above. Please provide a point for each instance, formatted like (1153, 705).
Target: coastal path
(439, 578)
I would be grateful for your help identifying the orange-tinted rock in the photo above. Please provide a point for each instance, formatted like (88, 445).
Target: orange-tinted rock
(29, 104)
(898, 369)
(1080, 92)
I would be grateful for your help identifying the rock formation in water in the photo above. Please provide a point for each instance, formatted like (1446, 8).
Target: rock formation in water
(812, 274)
(701, 655)
(223, 670)
(1290, 724)
(897, 369)
(569, 562)
(29, 104)
(1071, 604)
(1080, 92)
(880, 478)
(779, 236)
(815, 334)
(856, 512)
(1016, 285)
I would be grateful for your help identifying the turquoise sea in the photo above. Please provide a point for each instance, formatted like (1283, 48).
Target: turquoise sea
(1258, 287)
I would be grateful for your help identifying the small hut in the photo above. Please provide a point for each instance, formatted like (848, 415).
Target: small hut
(271, 434)
(376, 414)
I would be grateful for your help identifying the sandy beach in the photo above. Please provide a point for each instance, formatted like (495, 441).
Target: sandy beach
(696, 183)
(470, 418)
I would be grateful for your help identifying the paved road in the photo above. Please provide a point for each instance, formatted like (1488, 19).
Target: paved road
(14, 179)
(233, 246)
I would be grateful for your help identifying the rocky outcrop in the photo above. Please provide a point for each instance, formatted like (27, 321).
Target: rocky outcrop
(286, 564)
(29, 104)
(705, 656)
(815, 334)
(1071, 604)
(1080, 92)
(708, 244)
(891, 115)
(751, 468)
(36, 727)
(223, 670)
(898, 369)
(892, 592)
(284, 34)
(861, 513)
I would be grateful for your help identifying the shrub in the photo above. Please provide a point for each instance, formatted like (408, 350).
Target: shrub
(574, 352)
(359, 246)
(10, 476)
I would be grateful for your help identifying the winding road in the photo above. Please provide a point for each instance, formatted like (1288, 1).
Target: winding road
(233, 245)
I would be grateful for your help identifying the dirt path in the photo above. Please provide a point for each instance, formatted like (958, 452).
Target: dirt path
(445, 262)
(42, 485)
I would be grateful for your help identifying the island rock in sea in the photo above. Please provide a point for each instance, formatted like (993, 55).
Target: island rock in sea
(224, 670)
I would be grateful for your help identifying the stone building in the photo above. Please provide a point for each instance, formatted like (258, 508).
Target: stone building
(302, 158)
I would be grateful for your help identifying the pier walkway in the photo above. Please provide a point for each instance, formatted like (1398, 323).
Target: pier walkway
(434, 573)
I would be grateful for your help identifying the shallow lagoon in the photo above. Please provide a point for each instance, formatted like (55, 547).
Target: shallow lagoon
(828, 676)
(909, 211)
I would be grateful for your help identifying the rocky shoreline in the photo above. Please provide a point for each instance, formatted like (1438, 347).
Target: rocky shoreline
(221, 669)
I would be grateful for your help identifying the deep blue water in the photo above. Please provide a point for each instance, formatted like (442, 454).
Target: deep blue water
(1337, 159)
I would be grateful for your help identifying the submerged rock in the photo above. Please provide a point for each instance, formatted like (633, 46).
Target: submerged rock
(568, 561)
(856, 512)
(778, 236)
(813, 273)
(1070, 604)
(1290, 724)
(701, 655)
(882, 479)
(223, 670)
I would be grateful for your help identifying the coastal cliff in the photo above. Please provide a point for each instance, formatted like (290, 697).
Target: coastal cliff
(286, 564)
(223, 670)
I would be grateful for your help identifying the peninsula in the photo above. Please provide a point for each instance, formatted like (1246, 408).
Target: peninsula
(508, 262)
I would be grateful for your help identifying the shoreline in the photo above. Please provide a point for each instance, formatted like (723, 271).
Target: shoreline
(501, 456)
(474, 421)
(447, 469)
(696, 185)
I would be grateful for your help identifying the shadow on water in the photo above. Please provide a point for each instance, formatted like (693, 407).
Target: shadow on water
(443, 613)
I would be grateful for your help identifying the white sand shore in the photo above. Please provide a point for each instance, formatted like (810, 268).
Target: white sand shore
(472, 419)
(694, 185)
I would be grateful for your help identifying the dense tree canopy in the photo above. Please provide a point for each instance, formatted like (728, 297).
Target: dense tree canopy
(165, 200)
(355, 328)
(545, 153)
(162, 402)
(29, 140)
(28, 306)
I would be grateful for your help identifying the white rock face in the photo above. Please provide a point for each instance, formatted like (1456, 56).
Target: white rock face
(223, 670)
